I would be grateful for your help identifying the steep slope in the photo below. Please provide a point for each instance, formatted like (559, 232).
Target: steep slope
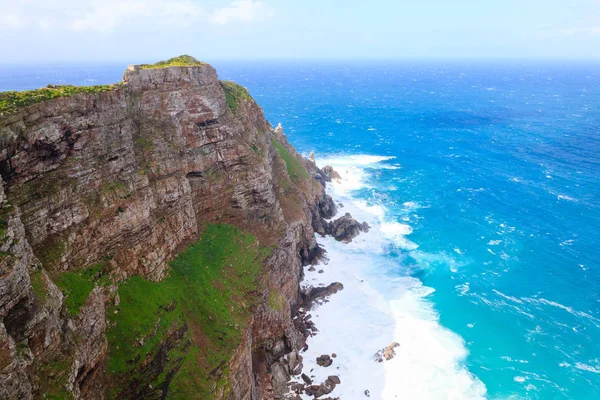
(101, 190)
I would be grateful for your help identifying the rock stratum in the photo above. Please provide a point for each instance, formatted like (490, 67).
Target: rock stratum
(152, 239)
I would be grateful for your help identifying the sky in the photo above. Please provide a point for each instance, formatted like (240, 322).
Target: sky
(148, 30)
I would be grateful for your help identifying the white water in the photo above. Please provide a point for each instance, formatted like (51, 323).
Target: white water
(378, 306)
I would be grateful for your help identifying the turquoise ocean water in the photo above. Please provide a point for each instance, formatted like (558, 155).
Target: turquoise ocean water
(493, 172)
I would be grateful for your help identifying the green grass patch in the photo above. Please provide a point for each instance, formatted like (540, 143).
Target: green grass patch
(210, 291)
(77, 285)
(11, 102)
(180, 61)
(38, 285)
(295, 169)
(276, 301)
(234, 93)
(53, 376)
(51, 252)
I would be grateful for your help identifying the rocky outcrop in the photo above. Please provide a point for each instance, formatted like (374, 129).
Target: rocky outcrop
(386, 353)
(312, 294)
(345, 228)
(330, 174)
(127, 178)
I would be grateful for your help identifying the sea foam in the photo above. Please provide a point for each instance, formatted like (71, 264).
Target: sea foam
(379, 306)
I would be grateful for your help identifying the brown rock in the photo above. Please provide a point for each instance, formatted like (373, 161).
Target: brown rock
(386, 353)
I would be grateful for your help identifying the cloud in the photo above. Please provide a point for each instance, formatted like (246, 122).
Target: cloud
(10, 21)
(109, 15)
(242, 11)
(591, 30)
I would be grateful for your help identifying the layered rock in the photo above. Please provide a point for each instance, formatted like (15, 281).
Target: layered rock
(131, 176)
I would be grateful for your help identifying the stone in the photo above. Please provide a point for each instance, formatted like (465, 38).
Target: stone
(312, 294)
(335, 379)
(306, 379)
(386, 353)
(330, 173)
(346, 228)
(324, 360)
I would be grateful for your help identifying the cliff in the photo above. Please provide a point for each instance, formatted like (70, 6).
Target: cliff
(152, 238)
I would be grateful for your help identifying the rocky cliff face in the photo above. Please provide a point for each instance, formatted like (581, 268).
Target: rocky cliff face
(124, 180)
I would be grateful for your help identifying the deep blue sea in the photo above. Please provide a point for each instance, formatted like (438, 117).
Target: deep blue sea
(488, 175)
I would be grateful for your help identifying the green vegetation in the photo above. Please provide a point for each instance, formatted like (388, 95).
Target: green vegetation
(143, 143)
(51, 252)
(77, 285)
(209, 290)
(234, 93)
(11, 102)
(295, 169)
(53, 376)
(38, 285)
(276, 301)
(181, 61)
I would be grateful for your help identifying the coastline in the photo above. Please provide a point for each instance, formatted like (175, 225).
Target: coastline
(378, 307)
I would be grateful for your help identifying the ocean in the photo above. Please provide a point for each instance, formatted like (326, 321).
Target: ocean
(481, 184)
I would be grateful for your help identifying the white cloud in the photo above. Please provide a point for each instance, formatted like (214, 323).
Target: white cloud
(108, 15)
(591, 30)
(242, 11)
(10, 21)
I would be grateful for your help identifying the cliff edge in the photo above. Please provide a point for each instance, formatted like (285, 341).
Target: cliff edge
(152, 238)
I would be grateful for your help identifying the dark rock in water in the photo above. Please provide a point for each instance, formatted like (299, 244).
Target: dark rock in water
(326, 209)
(306, 379)
(330, 173)
(333, 355)
(311, 253)
(321, 271)
(367, 393)
(324, 360)
(346, 228)
(312, 269)
(335, 379)
(387, 353)
(311, 294)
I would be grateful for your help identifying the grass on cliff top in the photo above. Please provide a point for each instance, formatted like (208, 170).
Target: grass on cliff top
(11, 102)
(180, 61)
(210, 291)
(295, 169)
(234, 93)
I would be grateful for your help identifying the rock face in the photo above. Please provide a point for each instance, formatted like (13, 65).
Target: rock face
(131, 176)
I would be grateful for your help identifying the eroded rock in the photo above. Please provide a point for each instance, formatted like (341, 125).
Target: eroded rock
(386, 353)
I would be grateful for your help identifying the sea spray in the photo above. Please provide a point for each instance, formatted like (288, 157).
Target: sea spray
(378, 306)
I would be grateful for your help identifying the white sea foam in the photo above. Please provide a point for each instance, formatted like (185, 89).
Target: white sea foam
(586, 367)
(377, 308)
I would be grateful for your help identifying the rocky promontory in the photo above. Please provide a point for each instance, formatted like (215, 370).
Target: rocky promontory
(152, 239)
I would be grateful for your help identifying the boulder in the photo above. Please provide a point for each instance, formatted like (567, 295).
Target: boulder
(346, 228)
(324, 360)
(386, 353)
(330, 173)
(306, 379)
